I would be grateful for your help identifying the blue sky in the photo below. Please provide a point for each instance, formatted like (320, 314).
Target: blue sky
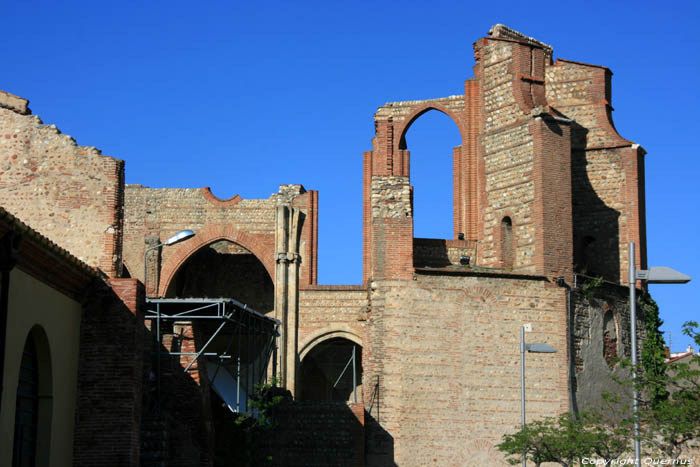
(242, 98)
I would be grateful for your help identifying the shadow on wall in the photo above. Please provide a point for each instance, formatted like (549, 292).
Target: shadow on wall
(225, 269)
(596, 225)
(327, 372)
(316, 433)
(379, 444)
(175, 426)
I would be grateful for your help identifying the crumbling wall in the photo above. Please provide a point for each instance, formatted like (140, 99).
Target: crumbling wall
(71, 194)
(441, 364)
(157, 213)
(601, 340)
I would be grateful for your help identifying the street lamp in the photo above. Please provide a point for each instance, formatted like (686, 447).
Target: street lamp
(655, 275)
(178, 237)
(535, 347)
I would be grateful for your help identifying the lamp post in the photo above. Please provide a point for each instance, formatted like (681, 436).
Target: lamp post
(532, 348)
(654, 275)
(178, 237)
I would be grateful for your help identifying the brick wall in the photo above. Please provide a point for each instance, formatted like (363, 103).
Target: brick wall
(161, 212)
(316, 434)
(71, 194)
(444, 350)
(336, 310)
(607, 171)
(108, 417)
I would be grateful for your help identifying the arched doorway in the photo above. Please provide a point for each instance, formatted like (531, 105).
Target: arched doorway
(238, 348)
(224, 269)
(329, 372)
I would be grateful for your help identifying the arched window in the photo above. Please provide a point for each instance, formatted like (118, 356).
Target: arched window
(507, 247)
(431, 140)
(27, 408)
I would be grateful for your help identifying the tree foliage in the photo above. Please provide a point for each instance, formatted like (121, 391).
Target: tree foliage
(653, 349)
(668, 414)
(566, 440)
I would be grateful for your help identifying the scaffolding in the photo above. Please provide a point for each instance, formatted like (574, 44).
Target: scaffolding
(237, 352)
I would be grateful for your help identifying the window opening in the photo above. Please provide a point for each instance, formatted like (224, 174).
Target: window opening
(431, 140)
(27, 408)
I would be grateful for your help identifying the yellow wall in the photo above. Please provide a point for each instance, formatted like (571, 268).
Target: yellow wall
(31, 303)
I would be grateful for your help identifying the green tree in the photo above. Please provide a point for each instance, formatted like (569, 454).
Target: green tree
(690, 330)
(653, 352)
(672, 424)
(566, 440)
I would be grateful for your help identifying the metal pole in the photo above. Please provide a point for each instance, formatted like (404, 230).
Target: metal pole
(522, 382)
(238, 369)
(354, 378)
(633, 330)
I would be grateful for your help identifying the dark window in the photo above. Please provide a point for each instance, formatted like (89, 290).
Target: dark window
(507, 252)
(24, 449)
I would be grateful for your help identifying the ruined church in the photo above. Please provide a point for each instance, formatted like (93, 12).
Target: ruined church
(138, 345)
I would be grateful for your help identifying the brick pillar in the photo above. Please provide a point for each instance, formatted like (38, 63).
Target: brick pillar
(388, 208)
(552, 211)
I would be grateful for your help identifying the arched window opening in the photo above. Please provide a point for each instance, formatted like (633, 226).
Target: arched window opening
(328, 373)
(34, 402)
(609, 338)
(27, 408)
(507, 246)
(225, 269)
(431, 140)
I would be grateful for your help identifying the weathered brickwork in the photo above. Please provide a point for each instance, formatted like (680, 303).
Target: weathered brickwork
(162, 212)
(593, 371)
(445, 353)
(544, 188)
(69, 193)
(110, 378)
(607, 181)
(327, 311)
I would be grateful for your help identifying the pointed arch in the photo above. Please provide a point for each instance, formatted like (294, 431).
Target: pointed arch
(417, 112)
(260, 245)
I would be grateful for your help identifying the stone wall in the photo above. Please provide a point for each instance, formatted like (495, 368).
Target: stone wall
(608, 171)
(71, 194)
(441, 364)
(160, 212)
(601, 338)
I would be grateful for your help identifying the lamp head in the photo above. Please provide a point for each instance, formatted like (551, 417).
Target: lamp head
(662, 275)
(538, 347)
(178, 237)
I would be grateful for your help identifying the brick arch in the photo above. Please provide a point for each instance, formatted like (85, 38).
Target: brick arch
(219, 202)
(401, 130)
(325, 334)
(262, 246)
